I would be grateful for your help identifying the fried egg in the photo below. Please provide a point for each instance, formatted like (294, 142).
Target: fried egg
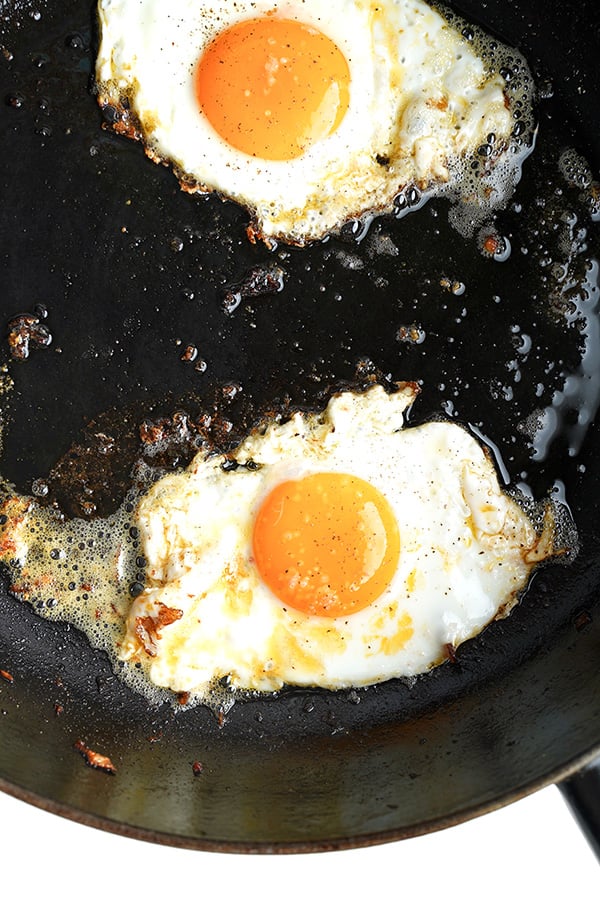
(311, 114)
(336, 549)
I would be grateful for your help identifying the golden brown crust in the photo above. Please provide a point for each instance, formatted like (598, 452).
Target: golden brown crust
(147, 628)
(12, 512)
(118, 115)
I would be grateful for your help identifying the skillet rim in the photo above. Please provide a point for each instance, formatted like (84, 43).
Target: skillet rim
(555, 777)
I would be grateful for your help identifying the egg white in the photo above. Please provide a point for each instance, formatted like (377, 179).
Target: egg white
(466, 551)
(420, 98)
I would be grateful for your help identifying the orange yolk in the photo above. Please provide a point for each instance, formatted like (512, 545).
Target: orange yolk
(326, 544)
(272, 87)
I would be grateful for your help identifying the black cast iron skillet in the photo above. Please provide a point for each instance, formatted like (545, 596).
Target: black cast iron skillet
(131, 271)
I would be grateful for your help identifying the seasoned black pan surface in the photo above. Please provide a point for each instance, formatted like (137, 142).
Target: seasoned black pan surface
(125, 272)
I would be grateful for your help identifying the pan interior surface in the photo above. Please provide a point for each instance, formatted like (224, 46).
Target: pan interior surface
(127, 272)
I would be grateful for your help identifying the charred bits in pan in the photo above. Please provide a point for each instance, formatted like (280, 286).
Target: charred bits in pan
(94, 759)
(258, 281)
(27, 332)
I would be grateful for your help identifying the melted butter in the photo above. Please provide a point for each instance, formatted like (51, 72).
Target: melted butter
(77, 571)
(63, 567)
(87, 573)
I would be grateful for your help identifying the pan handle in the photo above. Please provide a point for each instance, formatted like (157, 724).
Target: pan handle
(581, 792)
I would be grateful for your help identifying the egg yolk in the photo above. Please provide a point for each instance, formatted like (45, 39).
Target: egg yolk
(273, 87)
(327, 544)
